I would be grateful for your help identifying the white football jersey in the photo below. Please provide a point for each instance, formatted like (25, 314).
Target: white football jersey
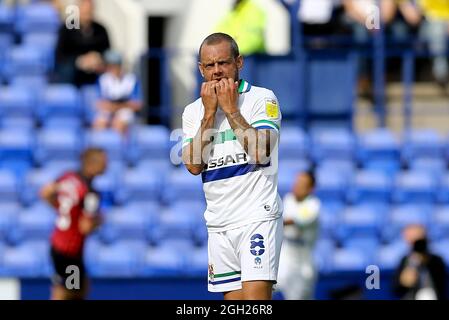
(237, 192)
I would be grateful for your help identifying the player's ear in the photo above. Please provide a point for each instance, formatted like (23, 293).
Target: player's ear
(239, 62)
(200, 67)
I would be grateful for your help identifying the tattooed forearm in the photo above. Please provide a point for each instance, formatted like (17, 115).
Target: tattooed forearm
(192, 154)
(256, 143)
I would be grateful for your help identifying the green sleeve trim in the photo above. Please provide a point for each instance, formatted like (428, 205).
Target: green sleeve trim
(266, 122)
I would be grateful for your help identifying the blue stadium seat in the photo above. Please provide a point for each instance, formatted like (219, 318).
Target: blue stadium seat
(9, 186)
(120, 259)
(149, 142)
(389, 167)
(345, 167)
(294, 143)
(378, 144)
(294, 167)
(16, 144)
(163, 167)
(333, 144)
(443, 192)
(197, 262)
(338, 102)
(6, 18)
(92, 245)
(8, 218)
(25, 60)
(57, 144)
(440, 248)
(331, 185)
(6, 38)
(28, 259)
(65, 123)
(427, 143)
(368, 244)
(174, 223)
(38, 82)
(435, 166)
(439, 226)
(196, 210)
(62, 166)
(389, 256)
(26, 123)
(287, 172)
(193, 208)
(16, 101)
(370, 186)
(20, 168)
(357, 221)
(16, 149)
(129, 222)
(34, 180)
(107, 183)
(349, 260)
(182, 185)
(37, 16)
(322, 254)
(403, 215)
(266, 72)
(165, 260)
(330, 213)
(34, 223)
(46, 41)
(415, 187)
(60, 100)
(109, 140)
(6, 41)
(89, 96)
(137, 184)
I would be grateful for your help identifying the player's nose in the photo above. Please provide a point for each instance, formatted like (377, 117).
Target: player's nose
(217, 68)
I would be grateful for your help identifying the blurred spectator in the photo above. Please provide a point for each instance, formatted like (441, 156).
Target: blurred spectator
(421, 275)
(246, 24)
(408, 18)
(79, 51)
(361, 13)
(297, 271)
(321, 17)
(366, 18)
(435, 31)
(119, 95)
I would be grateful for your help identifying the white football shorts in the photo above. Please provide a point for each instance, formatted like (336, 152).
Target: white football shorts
(244, 254)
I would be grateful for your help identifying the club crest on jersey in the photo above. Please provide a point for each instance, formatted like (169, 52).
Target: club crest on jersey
(211, 272)
(258, 261)
(257, 247)
(271, 109)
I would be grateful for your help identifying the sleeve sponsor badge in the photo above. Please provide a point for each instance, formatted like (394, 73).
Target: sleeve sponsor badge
(272, 109)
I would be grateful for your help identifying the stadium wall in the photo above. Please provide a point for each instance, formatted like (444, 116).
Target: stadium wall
(127, 26)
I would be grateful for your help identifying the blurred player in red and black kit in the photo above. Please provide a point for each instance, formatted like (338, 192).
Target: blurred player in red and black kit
(77, 206)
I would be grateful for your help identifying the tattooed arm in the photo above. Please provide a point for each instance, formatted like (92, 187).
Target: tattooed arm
(258, 144)
(192, 153)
